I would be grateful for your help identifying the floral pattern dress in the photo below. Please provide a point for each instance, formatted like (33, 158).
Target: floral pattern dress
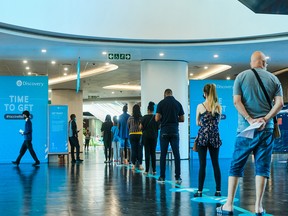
(208, 133)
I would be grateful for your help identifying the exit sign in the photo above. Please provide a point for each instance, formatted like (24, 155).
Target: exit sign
(119, 56)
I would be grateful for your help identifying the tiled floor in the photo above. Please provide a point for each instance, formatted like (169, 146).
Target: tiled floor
(95, 188)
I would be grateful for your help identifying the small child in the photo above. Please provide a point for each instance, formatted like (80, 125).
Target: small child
(115, 141)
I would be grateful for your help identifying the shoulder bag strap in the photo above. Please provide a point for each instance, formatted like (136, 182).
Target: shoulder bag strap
(265, 92)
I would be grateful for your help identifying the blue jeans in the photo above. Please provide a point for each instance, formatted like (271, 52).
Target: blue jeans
(173, 139)
(261, 146)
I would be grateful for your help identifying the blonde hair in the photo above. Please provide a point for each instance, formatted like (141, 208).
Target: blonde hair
(212, 98)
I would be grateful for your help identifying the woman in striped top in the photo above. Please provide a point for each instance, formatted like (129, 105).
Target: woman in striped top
(135, 135)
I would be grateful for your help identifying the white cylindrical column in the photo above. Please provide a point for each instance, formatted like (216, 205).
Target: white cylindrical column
(156, 76)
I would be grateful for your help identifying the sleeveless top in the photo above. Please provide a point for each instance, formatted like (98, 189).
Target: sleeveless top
(208, 134)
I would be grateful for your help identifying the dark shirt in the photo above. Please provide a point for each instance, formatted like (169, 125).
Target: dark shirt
(149, 126)
(170, 109)
(106, 129)
(28, 130)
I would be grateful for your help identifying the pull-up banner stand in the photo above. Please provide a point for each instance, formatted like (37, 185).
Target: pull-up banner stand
(19, 93)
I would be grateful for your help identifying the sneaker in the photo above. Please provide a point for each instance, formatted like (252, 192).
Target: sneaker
(154, 173)
(217, 193)
(178, 181)
(198, 194)
(161, 179)
(36, 163)
(79, 160)
(15, 163)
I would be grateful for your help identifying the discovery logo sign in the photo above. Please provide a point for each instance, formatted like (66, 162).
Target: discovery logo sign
(21, 83)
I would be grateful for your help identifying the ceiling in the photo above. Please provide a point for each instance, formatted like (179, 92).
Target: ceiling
(16, 46)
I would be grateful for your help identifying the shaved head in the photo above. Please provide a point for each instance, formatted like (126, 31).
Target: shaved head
(258, 60)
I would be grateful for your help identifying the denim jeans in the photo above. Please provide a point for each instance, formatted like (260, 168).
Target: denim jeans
(137, 148)
(173, 139)
(261, 146)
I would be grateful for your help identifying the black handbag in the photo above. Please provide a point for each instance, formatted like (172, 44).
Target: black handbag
(277, 132)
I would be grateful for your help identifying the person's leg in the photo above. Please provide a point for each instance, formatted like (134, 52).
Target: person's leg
(140, 152)
(134, 149)
(114, 151)
(32, 152)
(128, 145)
(153, 153)
(72, 145)
(22, 152)
(164, 142)
(147, 155)
(232, 188)
(174, 141)
(260, 183)
(77, 146)
(202, 153)
(262, 157)
(106, 152)
(214, 155)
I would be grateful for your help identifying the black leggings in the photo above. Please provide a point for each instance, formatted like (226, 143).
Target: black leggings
(214, 155)
(150, 152)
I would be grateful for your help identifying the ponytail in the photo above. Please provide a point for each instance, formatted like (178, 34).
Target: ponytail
(212, 98)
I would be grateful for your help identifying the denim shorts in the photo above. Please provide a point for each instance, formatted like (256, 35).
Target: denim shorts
(124, 144)
(261, 146)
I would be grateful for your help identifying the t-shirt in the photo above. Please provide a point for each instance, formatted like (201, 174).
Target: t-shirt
(252, 95)
(123, 129)
(149, 126)
(170, 109)
(115, 133)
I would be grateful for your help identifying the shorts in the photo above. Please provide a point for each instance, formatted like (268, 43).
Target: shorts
(261, 146)
(125, 143)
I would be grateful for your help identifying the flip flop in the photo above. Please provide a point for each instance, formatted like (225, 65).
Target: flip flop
(220, 211)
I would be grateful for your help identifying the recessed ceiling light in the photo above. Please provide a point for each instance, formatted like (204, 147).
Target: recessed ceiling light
(107, 63)
(206, 67)
(65, 74)
(66, 69)
(216, 56)
(113, 92)
(27, 68)
(191, 74)
(161, 54)
(25, 61)
(29, 73)
(49, 90)
(104, 53)
(43, 50)
(228, 78)
(53, 62)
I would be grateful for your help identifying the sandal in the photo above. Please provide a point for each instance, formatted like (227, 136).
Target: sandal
(198, 194)
(261, 213)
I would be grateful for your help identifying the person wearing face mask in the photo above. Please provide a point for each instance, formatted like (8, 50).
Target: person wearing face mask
(27, 144)
(73, 139)
(208, 116)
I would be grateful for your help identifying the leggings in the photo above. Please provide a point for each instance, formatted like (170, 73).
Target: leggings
(214, 155)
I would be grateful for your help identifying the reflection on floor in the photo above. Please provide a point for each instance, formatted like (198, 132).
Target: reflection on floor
(95, 188)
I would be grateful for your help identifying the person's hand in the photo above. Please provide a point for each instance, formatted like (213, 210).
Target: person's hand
(263, 121)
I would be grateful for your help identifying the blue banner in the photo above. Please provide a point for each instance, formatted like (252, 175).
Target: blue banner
(228, 123)
(58, 129)
(21, 93)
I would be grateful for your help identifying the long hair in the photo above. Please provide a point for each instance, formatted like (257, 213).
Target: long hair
(108, 118)
(212, 98)
(136, 113)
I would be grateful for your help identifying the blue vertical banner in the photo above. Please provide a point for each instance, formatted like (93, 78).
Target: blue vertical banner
(78, 75)
(228, 123)
(21, 93)
(58, 129)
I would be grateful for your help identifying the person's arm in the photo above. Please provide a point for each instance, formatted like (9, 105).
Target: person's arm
(157, 117)
(278, 105)
(198, 123)
(181, 118)
(241, 109)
